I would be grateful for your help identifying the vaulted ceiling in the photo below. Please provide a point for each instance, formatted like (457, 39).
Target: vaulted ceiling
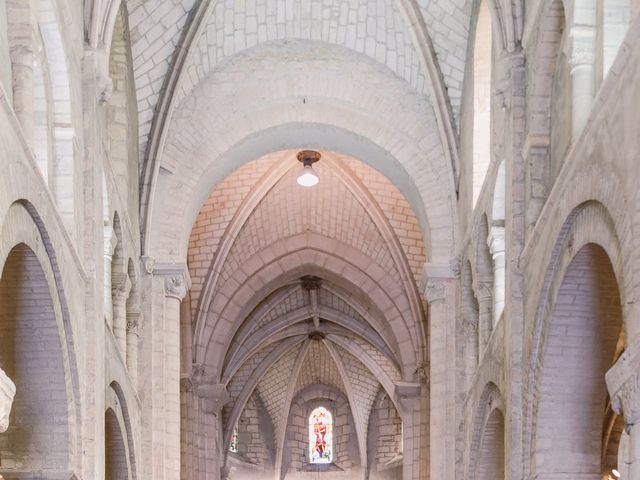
(291, 287)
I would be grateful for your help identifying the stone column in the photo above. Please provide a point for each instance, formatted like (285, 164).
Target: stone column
(121, 293)
(212, 397)
(496, 242)
(440, 292)
(623, 382)
(7, 392)
(110, 242)
(175, 289)
(133, 325)
(582, 70)
(485, 319)
(410, 396)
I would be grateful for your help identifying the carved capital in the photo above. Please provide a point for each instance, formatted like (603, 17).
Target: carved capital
(214, 396)
(176, 279)
(104, 88)
(623, 382)
(134, 325)
(110, 241)
(434, 291)
(175, 287)
(148, 263)
(122, 288)
(470, 326)
(7, 392)
(187, 384)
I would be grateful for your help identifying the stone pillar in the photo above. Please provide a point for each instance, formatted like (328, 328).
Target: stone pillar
(496, 242)
(110, 242)
(582, 73)
(7, 392)
(410, 396)
(175, 289)
(440, 292)
(202, 400)
(166, 285)
(133, 325)
(121, 293)
(485, 319)
(623, 382)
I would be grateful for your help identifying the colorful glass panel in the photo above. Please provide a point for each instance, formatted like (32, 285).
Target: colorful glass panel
(320, 436)
(233, 446)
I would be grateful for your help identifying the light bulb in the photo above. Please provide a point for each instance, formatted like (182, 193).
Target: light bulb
(307, 177)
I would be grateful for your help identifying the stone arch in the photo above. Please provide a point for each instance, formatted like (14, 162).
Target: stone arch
(183, 72)
(308, 252)
(337, 402)
(384, 439)
(348, 178)
(580, 341)
(487, 454)
(40, 436)
(116, 467)
(338, 125)
(23, 225)
(120, 461)
(245, 346)
(491, 456)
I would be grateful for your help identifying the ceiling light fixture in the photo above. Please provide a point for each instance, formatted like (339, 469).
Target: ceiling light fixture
(307, 176)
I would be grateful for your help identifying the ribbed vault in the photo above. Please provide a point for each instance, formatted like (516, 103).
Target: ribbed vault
(304, 296)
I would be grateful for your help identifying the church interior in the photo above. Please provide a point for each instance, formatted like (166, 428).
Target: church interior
(319, 239)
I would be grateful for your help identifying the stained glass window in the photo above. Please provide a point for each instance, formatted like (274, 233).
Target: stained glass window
(233, 446)
(320, 436)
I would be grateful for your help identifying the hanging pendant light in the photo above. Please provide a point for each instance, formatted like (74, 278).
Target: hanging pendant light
(307, 177)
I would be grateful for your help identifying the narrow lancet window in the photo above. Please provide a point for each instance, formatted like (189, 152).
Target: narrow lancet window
(320, 436)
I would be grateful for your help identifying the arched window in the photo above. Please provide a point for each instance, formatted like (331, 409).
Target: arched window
(616, 15)
(320, 436)
(233, 446)
(482, 55)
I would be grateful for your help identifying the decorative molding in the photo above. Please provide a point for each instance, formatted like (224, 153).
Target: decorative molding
(214, 396)
(148, 263)
(623, 382)
(104, 88)
(177, 280)
(175, 287)
(7, 392)
(434, 291)
(406, 390)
